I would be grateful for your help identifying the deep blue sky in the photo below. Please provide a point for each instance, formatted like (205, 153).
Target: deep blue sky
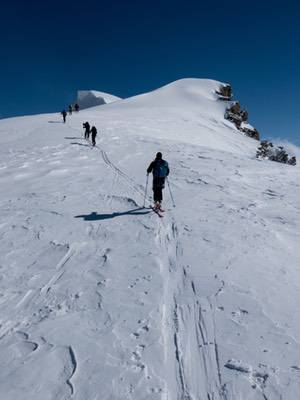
(49, 49)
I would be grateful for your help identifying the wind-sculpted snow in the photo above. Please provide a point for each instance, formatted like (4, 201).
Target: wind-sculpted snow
(101, 299)
(92, 98)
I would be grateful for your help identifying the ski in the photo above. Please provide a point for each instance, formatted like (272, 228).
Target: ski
(157, 211)
(159, 208)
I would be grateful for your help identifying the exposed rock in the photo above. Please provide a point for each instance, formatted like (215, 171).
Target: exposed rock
(254, 134)
(236, 114)
(292, 161)
(235, 108)
(267, 151)
(225, 92)
(250, 131)
(264, 149)
(239, 117)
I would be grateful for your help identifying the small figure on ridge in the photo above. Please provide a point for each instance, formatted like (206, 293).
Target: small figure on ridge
(64, 115)
(94, 134)
(86, 126)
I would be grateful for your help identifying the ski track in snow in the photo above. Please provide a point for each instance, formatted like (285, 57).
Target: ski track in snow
(196, 314)
(101, 299)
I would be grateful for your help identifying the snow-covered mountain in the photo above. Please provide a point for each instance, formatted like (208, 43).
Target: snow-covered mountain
(92, 98)
(101, 299)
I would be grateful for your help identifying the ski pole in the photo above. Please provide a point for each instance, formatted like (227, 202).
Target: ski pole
(171, 193)
(146, 190)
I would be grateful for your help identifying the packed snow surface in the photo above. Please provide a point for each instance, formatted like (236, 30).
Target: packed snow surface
(246, 125)
(101, 299)
(92, 98)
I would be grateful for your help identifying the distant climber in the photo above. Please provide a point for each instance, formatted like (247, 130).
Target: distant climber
(94, 134)
(86, 126)
(76, 107)
(64, 115)
(70, 109)
(160, 170)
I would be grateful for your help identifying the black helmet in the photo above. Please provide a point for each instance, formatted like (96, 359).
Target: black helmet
(159, 155)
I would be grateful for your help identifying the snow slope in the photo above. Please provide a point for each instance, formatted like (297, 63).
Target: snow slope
(92, 98)
(101, 299)
(187, 110)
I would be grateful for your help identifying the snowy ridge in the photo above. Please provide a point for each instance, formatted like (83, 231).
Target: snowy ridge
(92, 98)
(187, 110)
(101, 299)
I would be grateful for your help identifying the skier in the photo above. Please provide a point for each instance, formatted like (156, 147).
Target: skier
(70, 109)
(64, 115)
(160, 170)
(76, 107)
(86, 125)
(94, 134)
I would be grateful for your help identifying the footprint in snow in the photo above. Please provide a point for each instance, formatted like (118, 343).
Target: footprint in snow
(138, 367)
(156, 390)
(146, 328)
(295, 367)
(21, 335)
(137, 334)
(256, 378)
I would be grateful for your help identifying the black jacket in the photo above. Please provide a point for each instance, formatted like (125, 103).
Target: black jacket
(86, 125)
(152, 166)
(94, 131)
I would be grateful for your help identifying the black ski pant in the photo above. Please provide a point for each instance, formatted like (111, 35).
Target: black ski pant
(86, 134)
(157, 194)
(158, 185)
(93, 139)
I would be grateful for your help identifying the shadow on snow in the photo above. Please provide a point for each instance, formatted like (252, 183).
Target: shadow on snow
(73, 137)
(98, 217)
(81, 144)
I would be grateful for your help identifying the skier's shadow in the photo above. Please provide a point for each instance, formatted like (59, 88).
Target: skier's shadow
(80, 144)
(73, 137)
(100, 217)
